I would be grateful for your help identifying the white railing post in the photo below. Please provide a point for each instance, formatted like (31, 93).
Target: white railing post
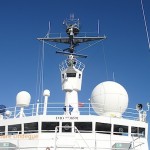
(56, 128)
(15, 113)
(33, 109)
(37, 108)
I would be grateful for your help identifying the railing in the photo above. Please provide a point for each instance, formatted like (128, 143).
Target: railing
(133, 143)
(58, 109)
(81, 34)
(77, 64)
(75, 129)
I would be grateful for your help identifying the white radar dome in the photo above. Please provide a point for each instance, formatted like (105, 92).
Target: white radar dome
(23, 99)
(109, 99)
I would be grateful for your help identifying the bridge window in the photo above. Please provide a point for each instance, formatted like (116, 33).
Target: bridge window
(14, 129)
(137, 131)
(103, 128)
(121, 130)
(83, 127)
(71, 74)
(49, 126)
(66, 127)
(142, 132)
(31, 127)
(2, 130)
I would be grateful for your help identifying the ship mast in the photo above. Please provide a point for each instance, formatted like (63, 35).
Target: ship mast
(71, 69)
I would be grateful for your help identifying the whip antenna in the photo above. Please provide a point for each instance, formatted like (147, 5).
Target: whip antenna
(148, 40)
(98, 27)
(49, 29)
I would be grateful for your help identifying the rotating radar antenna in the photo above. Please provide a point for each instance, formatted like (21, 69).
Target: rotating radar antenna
(72, 38)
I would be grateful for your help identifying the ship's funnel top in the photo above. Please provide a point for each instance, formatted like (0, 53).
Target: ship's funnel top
(23, 99)
(109, 99)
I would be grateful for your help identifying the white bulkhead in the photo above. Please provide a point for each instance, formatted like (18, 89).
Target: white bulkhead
(71, 79)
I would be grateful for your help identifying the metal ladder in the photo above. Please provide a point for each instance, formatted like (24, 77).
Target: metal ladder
(76, 131)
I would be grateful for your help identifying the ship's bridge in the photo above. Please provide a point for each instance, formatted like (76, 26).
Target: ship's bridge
(84, 129)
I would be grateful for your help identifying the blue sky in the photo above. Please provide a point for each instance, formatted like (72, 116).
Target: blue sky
(126, 49)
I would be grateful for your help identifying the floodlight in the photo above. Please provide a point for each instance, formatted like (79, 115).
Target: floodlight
(139, 107)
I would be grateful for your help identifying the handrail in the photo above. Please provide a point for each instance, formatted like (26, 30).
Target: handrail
(75, 128)
(57, 109)
(133, 142)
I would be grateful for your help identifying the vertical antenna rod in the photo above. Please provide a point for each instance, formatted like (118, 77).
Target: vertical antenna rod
(145, 24)
(113, 76)
(98, 27)
(49, 29)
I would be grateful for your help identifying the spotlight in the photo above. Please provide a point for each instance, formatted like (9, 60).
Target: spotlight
(139, 107)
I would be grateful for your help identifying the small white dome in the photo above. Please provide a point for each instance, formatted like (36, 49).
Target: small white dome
(46, 93)
(109, 98)
(8, 113)
(23, 99)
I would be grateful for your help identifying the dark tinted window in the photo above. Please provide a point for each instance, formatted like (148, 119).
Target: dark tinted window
(142, 132)
(137, 131)
(14, 129)
(49, 126)
(121, 130)
(66, 127)
(71, 74)
(83, 126)
(134, 131)
(31, 127)
(104, 128)
(2, 130)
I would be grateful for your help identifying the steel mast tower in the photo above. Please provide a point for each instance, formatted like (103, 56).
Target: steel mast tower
(71, 69)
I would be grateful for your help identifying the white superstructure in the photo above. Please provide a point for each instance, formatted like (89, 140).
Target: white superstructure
(71, 79)
(104, 123)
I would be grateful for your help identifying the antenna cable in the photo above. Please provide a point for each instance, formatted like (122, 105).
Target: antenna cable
(40, 74)
(105, 61)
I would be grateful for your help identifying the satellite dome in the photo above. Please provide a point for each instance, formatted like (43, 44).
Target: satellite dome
(109, 98)
(23, 99)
